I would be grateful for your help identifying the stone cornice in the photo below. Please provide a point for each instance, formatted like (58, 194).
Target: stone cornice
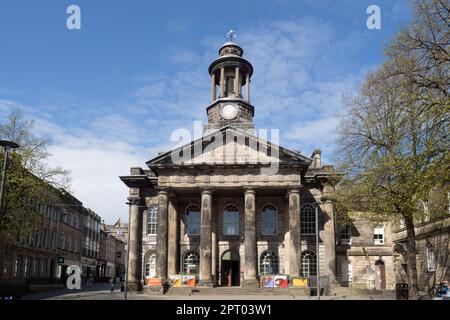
(136, 201)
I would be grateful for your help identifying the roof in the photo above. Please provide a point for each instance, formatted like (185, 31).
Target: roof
(286, 156)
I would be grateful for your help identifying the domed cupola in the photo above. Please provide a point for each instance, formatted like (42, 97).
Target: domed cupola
(230, 72)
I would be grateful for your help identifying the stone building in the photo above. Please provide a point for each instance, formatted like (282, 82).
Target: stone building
(101, 272)
(433, 252)
(364, 255)
(69, 236)
(230, 206)
(41, 259)
(119, 230)
(90, 242)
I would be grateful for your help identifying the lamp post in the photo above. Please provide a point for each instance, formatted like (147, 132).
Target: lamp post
(7, 145)
(317, 252)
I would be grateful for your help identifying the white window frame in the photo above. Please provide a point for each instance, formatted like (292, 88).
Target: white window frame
(186, 219)
(308, 219)
(308, 264)
(236, 225)
(431, 259)
(152, 220)
(345, 229)
(191, 259)
(377, 231)
(264, 223)
(347, 270)
(150, 266)
(270, 260)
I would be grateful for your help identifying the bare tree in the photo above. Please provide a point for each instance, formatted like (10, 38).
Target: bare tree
(394, 144)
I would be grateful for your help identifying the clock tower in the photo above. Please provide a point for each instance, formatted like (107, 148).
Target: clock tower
(230, 73)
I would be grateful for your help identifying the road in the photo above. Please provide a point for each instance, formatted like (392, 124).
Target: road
(101, 291)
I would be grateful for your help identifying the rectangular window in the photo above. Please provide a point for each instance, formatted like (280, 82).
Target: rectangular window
(378, 235)
(347, 271)
(152, 220)
(231, 223)
(18, 268)
(345, 234)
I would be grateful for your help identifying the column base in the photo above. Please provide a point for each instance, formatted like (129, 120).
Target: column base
(135, 286)
(252, 283)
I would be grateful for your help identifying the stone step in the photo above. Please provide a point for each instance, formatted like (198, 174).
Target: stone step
(237, 291)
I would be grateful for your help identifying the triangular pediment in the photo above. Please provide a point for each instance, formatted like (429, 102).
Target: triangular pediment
(229, 146)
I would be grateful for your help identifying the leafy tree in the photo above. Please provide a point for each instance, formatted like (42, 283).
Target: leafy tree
(33, 150)
(393, 146)
(30, 183)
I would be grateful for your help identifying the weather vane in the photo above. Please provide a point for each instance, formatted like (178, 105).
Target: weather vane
(231, 35)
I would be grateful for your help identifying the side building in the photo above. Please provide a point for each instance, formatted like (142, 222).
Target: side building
(364, 257)
(90, 243)
(432, 249)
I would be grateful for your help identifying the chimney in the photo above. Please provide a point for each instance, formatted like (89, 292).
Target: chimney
(316, 163)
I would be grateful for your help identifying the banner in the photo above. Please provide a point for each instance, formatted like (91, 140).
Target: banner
(153, 281)
(176, 280)
(189, 281)
(268, 282)
(281, 281)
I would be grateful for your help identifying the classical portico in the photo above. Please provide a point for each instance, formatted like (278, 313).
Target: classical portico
(229, 207)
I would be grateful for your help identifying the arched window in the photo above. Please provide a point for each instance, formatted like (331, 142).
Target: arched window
(193, 220)
(269, 263)
(191, 262)
(309, 264)
(431, 260)
(150, 266)
(269, 220)
(231, 220)
(152, 220)
(308, 219)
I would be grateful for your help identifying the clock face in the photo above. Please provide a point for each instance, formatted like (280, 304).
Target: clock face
(229, 112)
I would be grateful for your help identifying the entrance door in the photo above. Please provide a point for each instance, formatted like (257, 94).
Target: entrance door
(230, 269)
(381, 273)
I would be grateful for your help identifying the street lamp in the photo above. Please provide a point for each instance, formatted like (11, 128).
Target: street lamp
(317, 251)
(7, 145)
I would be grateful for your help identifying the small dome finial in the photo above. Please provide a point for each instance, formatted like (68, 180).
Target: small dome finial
(231, 35)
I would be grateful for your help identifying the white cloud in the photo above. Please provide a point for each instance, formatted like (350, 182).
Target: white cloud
(296, 87)
(95, 177)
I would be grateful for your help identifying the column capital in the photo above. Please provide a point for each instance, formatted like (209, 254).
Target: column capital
(294, 189)
(206, 190)
(162, 190)
(136, 201)
(250, 189)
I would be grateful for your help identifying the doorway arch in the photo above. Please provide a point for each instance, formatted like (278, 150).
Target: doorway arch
(380, 275)
(230, 269)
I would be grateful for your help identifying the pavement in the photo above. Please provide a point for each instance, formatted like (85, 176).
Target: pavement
(101, 291)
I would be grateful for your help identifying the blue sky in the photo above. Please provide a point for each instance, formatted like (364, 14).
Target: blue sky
(109, 95)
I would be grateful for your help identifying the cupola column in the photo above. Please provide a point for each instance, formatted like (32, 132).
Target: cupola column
(236, 83)
(213, 88)
(222, 82)
(247, 85)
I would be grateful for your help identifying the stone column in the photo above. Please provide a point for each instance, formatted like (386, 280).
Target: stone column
(161, 261)
(329, 240)
(236, 82)
(205, 240)
(247, 86)
(250, 239)
(172, 261)
(134, 236)
(293, 239)
(213, 87)
(222, 82)
(214, 244)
